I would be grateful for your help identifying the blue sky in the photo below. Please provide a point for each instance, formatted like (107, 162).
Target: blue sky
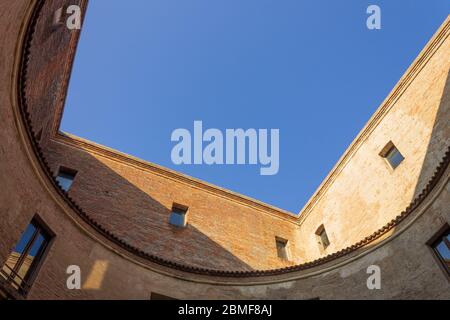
(309, 68)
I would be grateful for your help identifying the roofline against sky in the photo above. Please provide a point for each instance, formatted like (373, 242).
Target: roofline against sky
(410, 74)
(407, 78)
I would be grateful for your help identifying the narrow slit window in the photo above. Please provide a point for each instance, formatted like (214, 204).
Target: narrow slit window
(23, 262)
(392, 155)
(178, 216)
(65, 178)
(322, 238)
(282, 248)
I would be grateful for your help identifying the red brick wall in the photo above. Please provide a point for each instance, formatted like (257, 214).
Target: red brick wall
(135, 203)
(50, 67)
(409, 269)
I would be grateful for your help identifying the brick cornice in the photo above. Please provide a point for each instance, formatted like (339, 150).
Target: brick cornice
(88, 146)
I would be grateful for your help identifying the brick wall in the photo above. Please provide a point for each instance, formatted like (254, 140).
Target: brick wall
(365, 193)
(409, 269)
(134, 199)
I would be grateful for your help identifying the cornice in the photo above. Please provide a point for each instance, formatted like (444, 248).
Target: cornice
(140, 254)
(169, 174)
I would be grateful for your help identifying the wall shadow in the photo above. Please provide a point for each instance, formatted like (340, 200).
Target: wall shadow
(135, 216)
(439, 141)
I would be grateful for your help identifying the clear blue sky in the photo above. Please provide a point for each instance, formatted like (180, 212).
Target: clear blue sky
(309, 68)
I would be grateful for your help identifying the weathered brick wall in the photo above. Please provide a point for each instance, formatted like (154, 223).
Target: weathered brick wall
(409, 269)
(135, 203)
(50, 66)
(13, 188)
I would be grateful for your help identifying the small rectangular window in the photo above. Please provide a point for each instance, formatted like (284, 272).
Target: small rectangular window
(66, 177)
(178, 216)
(23, 262)
(282, 248)
(322, 237)
(440, 244)
(392, 155)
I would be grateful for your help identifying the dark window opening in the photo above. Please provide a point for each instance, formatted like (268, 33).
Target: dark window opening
(178, 216)
(322, 237)
(66, 177)
(392, 155)
(22, 264)
(440, 244)
(282, 248)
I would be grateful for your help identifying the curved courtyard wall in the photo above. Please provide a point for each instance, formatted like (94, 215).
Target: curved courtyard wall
(112, 265)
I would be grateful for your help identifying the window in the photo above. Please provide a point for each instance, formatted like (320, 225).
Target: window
(440, 244)
(282, 248)
(178, 215)
(22, 264)
(65, 178)
(392, 155)
(322, 238)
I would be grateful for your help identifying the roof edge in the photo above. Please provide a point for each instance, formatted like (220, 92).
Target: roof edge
(410, 74)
